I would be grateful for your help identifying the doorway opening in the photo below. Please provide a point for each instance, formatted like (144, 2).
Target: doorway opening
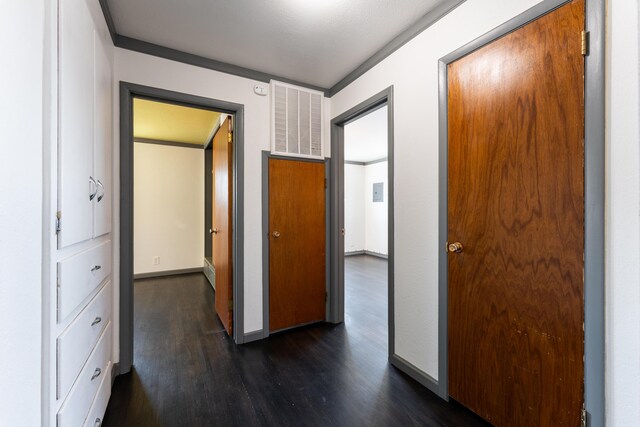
(167, 190)
(359, 271)
(366, 211)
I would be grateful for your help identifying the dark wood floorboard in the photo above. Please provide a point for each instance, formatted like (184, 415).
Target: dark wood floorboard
(189, 373)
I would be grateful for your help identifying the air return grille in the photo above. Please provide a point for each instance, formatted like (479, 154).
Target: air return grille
(296, 116)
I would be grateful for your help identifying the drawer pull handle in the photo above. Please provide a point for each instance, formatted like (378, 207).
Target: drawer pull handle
(98, 422)
(93, 188)
(96, 374)
(96, 321)
(96, 268)
(100, 185)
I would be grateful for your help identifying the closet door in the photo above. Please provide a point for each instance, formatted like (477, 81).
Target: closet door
(76, 85)
(103, 137)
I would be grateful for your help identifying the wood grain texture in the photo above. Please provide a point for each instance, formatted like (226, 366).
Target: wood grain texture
(188, 372)
(516, 203)
(297, 257)
(222, 221)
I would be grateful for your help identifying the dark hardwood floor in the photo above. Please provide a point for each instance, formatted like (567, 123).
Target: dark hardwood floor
(189, 373)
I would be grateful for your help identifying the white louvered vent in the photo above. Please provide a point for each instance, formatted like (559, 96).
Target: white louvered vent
(296, 121)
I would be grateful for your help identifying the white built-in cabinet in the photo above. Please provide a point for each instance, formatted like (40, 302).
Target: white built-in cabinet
(85, 133)
(81, 310)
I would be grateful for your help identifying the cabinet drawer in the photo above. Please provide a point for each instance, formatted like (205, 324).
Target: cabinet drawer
(99, 406)
(98, 366)
(80, 275)
(77, 341)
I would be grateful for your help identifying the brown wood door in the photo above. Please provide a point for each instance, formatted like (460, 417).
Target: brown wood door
(516, 204)
(296, 243)
(222, 236)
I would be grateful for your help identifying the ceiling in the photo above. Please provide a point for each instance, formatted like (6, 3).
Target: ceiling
(365, 139)
(317, 42)
(172, 123)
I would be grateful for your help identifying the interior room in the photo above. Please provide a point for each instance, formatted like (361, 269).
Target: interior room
(169, 187)
(197, 271)
(366, 210)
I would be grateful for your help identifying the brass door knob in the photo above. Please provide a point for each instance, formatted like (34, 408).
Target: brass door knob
(214, 231)
(276, 234)
(455, 247)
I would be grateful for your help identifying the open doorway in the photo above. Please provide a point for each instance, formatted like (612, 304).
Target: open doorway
(170, 146)
(366, 209)
(373, 267)
(165, 198)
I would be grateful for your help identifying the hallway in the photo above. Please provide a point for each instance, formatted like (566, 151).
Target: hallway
(189, 373)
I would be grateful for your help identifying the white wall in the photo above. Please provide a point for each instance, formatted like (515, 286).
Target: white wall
(375, 218)
(365, 221)
(168, 200)
(623, 216)
(354, 211)
(22, 29)
(147, 70)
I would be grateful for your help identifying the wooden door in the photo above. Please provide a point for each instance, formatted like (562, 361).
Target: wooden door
(516, 204)
(296, 243)
(222, 232)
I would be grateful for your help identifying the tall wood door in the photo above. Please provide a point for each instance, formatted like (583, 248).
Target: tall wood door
(222, 231)
(516, 206)
(296, 243)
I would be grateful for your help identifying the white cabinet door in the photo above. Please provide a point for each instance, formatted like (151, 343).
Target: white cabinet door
(103, 137)
(76, 86)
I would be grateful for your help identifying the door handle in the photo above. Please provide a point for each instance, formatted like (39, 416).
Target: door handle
(455, 247)
(276, 234)
(214, 231)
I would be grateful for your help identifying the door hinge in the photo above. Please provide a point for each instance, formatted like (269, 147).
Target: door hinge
(58, 222)
(583, 417)
(229, 137)
(326, 297)
(585, 43)
(325, 183)
(230, 305)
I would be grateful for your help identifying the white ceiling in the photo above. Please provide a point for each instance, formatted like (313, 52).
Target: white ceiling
(366, 138)
(317, 42)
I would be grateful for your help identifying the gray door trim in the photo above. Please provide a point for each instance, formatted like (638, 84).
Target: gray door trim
(594, 199)
(266, 155)
(336, 185)
(127, 92)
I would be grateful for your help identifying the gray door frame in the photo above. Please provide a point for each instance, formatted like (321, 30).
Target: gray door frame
(336, 288)
(266, 155)
(129, 91)
(594, 198)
